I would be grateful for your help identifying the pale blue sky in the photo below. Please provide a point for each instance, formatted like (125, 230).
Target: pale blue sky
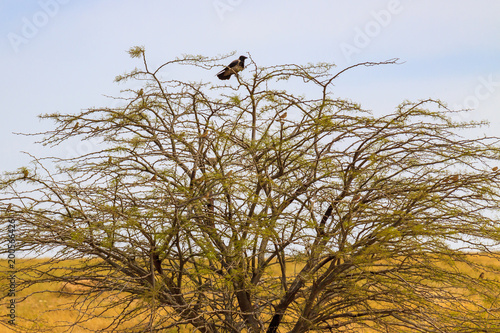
(62, 55)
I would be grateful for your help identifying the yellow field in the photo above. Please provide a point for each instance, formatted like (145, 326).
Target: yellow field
(48, 307)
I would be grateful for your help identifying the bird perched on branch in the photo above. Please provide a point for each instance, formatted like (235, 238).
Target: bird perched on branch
(233, 68)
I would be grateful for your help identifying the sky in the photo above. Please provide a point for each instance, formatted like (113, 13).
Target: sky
(63, 55)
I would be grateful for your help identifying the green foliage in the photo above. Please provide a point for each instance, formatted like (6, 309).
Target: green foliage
(136, 51)
(224, 206)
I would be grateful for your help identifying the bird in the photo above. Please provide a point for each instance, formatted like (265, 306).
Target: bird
(212, 161)
(205, 134)
(233, 68)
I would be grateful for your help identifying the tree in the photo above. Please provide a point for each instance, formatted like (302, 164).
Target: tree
(246, 207)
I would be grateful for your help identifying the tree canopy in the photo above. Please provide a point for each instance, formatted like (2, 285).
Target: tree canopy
(244, 207)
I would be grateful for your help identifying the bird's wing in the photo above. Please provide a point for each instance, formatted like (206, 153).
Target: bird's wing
(234, 63)
(225, 74)
(222, 71)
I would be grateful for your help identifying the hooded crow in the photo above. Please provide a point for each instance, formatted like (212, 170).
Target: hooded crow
(233, 68)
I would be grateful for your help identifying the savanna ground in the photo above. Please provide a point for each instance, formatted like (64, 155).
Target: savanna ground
(53, 304)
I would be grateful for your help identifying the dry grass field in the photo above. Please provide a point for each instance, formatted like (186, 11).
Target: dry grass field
(48, 306)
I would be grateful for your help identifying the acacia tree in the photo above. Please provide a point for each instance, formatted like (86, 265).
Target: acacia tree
(245, 207)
